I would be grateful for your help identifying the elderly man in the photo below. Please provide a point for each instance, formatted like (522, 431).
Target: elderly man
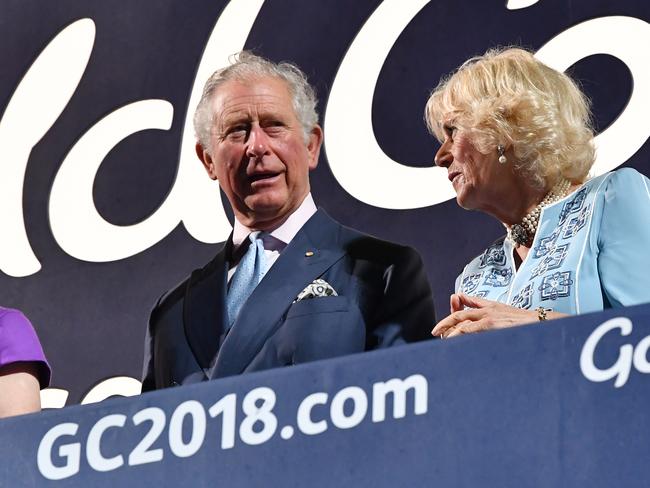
(290, 285)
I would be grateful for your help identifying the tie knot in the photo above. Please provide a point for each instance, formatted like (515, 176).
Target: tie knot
(258, 239)
(253, 236)
(268, 242)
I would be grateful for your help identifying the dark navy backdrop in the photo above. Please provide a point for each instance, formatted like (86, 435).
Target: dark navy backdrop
(91, 316)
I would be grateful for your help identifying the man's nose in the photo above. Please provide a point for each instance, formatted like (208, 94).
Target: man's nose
(257, 143)
(443, 156)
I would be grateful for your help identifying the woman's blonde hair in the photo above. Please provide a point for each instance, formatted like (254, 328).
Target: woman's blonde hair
(507, 97)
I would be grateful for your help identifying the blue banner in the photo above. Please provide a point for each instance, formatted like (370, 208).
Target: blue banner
(564, 403)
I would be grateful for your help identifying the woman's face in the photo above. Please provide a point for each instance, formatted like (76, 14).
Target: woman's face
(477, 178)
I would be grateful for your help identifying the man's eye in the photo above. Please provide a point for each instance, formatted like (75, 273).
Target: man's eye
(237, 133)
(276, 129)
(273, 125)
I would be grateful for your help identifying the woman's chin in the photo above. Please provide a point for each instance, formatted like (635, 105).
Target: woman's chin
(464, 202)
(460, 199)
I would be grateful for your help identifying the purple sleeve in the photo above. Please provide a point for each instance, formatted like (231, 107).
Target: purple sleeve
(19, 343)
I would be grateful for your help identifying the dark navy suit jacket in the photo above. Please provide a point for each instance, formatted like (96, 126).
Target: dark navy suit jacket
(383, 299)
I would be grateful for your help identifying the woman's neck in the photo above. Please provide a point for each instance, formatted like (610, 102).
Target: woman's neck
(515, 203)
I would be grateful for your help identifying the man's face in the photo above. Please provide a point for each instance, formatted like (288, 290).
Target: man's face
(258, 151)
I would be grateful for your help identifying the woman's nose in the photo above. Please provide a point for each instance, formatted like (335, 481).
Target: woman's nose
(443, 156)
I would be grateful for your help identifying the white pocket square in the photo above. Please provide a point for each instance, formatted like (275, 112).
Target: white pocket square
(315, 289)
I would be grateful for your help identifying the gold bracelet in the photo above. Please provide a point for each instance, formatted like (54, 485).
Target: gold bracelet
(541, 313)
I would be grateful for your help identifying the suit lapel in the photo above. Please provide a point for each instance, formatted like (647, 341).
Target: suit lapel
(204, 308)
(261, 315)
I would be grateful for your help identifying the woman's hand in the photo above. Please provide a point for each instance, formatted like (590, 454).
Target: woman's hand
(481, 315)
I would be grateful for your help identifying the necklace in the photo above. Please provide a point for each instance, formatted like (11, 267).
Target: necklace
(524, 231)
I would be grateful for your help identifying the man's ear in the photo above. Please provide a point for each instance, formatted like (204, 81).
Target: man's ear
(313, 146)
(207, 161)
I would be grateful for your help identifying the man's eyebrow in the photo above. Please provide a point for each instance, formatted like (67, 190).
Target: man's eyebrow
(271, 115)
(235, 118)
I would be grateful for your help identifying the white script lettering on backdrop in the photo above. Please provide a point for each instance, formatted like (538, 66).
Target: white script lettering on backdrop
(353, 151)
(36, 104)
(77, 226)
(628, 356)
(83, 233)
(108, 387)
(519, 4)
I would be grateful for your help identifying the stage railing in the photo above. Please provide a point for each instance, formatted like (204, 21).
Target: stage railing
(563, 403)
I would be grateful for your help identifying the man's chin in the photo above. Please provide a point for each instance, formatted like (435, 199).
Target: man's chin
(265, 215)
(266, 209)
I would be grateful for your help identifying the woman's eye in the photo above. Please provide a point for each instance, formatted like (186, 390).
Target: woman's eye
(450, 130)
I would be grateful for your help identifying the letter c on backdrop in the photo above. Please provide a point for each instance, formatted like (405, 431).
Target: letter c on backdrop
(350, 143)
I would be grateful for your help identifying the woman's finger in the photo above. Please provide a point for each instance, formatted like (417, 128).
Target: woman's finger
(469, 327)
(454, 319)
(455, 304)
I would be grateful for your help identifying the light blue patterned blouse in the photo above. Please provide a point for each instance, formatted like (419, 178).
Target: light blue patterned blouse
(591, 251)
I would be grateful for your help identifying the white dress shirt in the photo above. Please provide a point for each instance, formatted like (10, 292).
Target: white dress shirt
(278, 238)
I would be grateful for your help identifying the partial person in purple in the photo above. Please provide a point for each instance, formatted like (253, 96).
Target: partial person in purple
(23, 367)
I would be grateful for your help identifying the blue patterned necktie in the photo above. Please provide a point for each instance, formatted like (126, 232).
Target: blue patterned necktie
(250, 271)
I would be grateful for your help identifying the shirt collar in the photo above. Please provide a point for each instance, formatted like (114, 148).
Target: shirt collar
(286, 231)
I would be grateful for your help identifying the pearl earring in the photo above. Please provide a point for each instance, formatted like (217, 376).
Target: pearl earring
(501, 152)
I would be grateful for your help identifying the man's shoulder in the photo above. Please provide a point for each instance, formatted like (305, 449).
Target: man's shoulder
(360, 245)
(175, 295)
(366, 246)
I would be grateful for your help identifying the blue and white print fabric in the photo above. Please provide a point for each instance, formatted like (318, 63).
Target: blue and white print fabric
(591, 251)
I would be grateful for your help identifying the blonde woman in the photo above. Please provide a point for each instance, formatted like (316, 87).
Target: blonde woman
(517, 144)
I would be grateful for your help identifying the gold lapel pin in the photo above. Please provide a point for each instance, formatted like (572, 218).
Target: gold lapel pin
(309, 254)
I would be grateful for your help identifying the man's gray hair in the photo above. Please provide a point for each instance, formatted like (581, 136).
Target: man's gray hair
(246, 66)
